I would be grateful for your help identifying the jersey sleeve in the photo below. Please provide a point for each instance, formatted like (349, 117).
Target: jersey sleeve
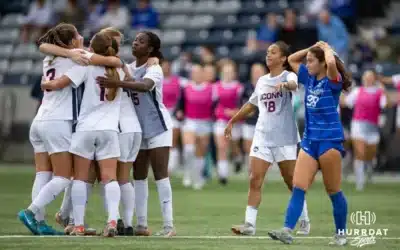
(303, 74)
(351, 98)
(155, 74)
(254, 97)
(77, 74)
(292, 77)
(396, 80)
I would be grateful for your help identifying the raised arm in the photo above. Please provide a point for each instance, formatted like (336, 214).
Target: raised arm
(330, 60)
(296, 59)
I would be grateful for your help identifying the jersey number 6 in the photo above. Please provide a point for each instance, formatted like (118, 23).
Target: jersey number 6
(270, 106)
(51, 74)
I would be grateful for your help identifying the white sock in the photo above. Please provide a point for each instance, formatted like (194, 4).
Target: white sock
(66, 205)
(141, 197)
(173, 159)
(79, 199)
(251, 215)
(113, 196)
(359, 172)
(128, 203)
(49, 193)
(165, 196)
(304, 213)
(188, 152)
(198, 171)
(223, 169)
(41, 180)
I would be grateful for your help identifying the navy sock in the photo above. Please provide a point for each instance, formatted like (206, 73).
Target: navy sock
(294, 208)
(339, 205)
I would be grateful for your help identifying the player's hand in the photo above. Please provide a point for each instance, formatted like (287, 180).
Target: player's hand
(179, 115)
(228, 130)
(44, 85)
(280, 86)
(153, 61)
(106, 82)
(79, 57)
(230, 112)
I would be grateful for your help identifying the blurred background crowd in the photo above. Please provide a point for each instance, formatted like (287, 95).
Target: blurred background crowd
(365, 34)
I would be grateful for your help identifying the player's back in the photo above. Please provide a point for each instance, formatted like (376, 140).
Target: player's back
(153, 116)
(56, 104)
(96, 112)
(276, 116)
(198, 101)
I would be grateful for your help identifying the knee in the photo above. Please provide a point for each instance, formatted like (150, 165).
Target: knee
(332, 190)
(139, 176)
(300, 183)
(256, 182)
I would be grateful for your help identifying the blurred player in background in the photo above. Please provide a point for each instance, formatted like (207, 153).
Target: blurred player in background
(276, 135)
(395, 81)
(249, 126)
(171, 93)
(324, 77)
(228, 95)
(196, 108)
(367, 102)
(156, 125)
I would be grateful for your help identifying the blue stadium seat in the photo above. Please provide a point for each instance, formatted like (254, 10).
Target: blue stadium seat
(9, 35)
(249, 21)
(37, 68)
(6, 51)
(229, 6)
(181, 6)
(26, 51)
(176, 21)
(198, 37)
(162, 6)
(254, 7)
(222, 51)
(173, 37)
(20, 66)
(15, 78)
(171, 52)
(200, 22)
(205, 6)
(11, 21)
(4, 65)
(225, 21)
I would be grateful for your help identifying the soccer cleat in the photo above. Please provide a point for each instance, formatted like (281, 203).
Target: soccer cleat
(78, 231)
(128, 231)
(142, 231)
(304, 228)
(238, 167)
(120, 227)
(338, 240)
(63, 222)
(245, 229)
(45, 229)
(90, 231)
(282, 235)
(110, 229)
(223, 181)
(166, 232)
(28, 218)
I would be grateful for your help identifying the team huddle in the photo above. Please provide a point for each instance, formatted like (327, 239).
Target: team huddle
(100, 117)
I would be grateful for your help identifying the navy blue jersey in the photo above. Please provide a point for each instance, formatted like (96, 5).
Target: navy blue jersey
(248, 91)
(322, 120)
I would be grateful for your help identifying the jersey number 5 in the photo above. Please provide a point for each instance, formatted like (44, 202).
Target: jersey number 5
(270, 106)
(51, 74)
(135, 98)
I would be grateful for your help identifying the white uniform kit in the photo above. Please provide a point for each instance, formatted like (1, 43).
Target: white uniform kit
(276, 134)
(97, 130)
(153, 116)
(51, 129)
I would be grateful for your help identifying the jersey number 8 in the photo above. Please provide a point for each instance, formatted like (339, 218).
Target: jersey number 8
(270, 106)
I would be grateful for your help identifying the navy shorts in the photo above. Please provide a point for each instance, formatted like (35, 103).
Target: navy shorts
(317, 148)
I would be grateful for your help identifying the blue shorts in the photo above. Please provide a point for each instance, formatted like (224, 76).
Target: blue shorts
(317, 148)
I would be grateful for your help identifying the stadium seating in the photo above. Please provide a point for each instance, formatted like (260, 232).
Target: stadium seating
(184, 25)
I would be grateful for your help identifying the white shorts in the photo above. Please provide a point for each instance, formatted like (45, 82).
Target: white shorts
(51, 136)
(272, 154)
(199, 127)
(162, 140)
(365, 131)
(219, 128)
(129, 144)
(99, 145)
(248, 131)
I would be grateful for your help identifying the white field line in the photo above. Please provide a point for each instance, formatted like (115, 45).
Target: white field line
(191, 237)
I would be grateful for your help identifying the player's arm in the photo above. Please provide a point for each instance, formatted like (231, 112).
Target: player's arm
(77, 55)
(58, 83)
(109, 61)
(243, 113)
(180, 106)
(330, 60)
(143, 86)
(296, 59)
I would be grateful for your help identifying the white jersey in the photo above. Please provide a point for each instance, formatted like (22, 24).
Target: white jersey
(153, 116)
(128, 120)
(56, 104)
(96, 113)
(276, 118)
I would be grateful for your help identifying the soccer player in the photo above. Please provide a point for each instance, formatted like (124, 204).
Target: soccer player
(324, 77)
(196, 107)
(395, 81)
(367, 102)
(276, 135)
(228, 94)
(249, 125)
(171, 94)
(51, 132)
(156, 124)
(96, 133)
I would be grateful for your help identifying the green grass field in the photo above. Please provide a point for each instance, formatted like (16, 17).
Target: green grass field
(202, 218)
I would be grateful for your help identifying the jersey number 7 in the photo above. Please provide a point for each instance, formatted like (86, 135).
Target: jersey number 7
(51, 74)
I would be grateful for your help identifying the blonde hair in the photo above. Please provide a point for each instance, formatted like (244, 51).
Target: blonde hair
(113, 32)
(103, 44)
